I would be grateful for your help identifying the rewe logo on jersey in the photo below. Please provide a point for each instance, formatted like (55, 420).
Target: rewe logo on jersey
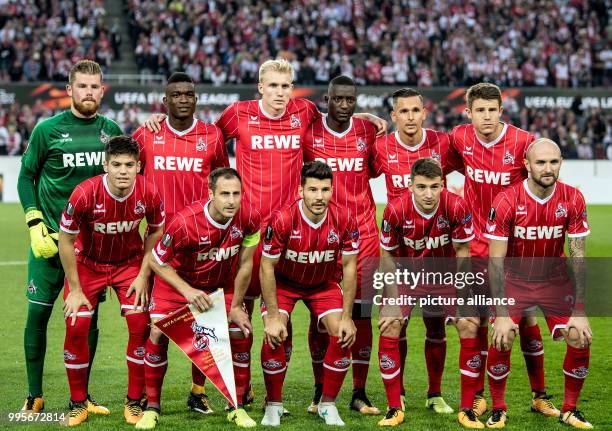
(219, 253)
(93, 158)
(342, 164)
(427, 242)
(275, 142)
(400, 181)
(178, 163)
(316, 256)
(538, 232)
(488, 177)
(115, 227)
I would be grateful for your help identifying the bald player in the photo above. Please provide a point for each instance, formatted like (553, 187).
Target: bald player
(529, 221)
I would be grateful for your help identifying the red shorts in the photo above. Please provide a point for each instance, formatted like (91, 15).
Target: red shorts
(320, 301)
(554, 297)
(368, 261)
(95, 281)
(254, 289)
(166, 300)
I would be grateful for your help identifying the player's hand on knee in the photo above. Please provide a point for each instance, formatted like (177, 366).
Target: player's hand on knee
(275, 331)
(503, 333)
(140, 289)
(73, 303)
(153, 123)
(583, 335)
(389, 322)
(199, 299)
(240, 318)
(346, 332)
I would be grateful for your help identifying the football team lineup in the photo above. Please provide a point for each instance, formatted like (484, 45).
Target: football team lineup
(296, 221)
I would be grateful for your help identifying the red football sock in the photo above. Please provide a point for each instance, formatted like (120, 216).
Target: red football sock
(403, 351)
(335, 366)
(498, 368)
(156, 364)
(361, 352)
(390, 369)
(470, 367)
(317, 342)
(138, 333)
(533, 352)
(241, 358)
(76, 356)
(435, 353)
(575, 368)
(289, 342)
(483, 336)
(274, 368)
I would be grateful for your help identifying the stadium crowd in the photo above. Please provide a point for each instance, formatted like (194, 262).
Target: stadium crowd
(582, 134)
(449, 43)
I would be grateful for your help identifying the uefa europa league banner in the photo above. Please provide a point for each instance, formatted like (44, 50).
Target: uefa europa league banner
(204, 338)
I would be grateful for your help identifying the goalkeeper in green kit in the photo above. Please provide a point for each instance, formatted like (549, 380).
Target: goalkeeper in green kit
(63, 151)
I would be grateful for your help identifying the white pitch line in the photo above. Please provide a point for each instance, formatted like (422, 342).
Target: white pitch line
(14, 263)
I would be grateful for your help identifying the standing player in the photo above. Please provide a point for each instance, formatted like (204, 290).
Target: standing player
(62, 152)
(100, 245)
(196, 256)
(428, 223)
(393, 155)
(301, 249)
(528, 221)
(345, 144)
(178, 159)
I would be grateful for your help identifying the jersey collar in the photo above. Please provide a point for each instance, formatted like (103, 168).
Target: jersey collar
(184, 132)
(499, 138)
(212, 220)
(117, 198)
(408, 147)
(337, 134)
(270, 116)
(307, 220)
(534, 197)
(421, 213)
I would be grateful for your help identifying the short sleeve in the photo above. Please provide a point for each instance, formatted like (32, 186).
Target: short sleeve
(275, 237)
(350, 238)
(156, 215)
(463, 230)
(220, 157)
(172, 241)
(500, 218)
(389, 232)
(75, 211)
(228, 122)
(376, 158)
(577, 223)
(140, 136)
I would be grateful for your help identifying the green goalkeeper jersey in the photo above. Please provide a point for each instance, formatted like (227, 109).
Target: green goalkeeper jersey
(63, 151)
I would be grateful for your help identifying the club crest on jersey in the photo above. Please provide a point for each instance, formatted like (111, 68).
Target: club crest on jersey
(69, 356)
(386, 363)
(508, 158)
(253, 119)
(295, 122)
(361, 145)
(332, 237)
(436, 156)
(104, 137)
(139, 208)
(474, 362)
(31, 287)
(442, 222)
(561, 211)
(235, 233)
(158, 139)
(202, 336)
(201, 145)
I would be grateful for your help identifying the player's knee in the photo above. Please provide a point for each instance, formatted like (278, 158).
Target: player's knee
(572, 338)
(137, 322)
(435, 327)
(528, 322)
(156, 335)
(393, 330)
(80, 328)
(467, 327)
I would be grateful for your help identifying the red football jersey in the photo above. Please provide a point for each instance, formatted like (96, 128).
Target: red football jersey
(178, 163)
(107, 225)
(203, 252)
(268, 150)
(309, 253)
(393, 158)
(536, 227)
(348, 154)
(489, 168)
(408, 232)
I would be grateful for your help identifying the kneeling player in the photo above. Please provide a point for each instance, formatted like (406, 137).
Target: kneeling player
(430, 222)
(196, 256)
(301, 249)
(100, 245)
(530, 220)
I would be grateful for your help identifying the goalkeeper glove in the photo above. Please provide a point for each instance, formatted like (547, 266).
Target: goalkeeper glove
(43, 244)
